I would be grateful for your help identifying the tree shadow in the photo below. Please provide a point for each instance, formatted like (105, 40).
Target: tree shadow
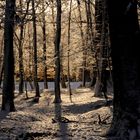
(63, 127)
(3, 115)
(76, 108)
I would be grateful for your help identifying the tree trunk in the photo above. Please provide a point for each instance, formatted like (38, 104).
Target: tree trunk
(103, 50)
(21, 81)
(8, 82)
(21, 78)
(69, 27)
(1, 73)
(63, 79)
(83, 42)
(98, 21)
(44, 48)
(57, 53)
(93, 80)
(35, 50)
(63, 84)
(125, 36)
(30, 62)
(86, 44)
(1, 60)
(93, 44)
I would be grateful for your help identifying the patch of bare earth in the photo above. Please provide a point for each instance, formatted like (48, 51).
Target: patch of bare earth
(85, 118)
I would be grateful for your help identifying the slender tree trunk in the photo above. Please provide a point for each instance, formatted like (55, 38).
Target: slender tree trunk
(44, 48)
(21, 81)
(53, 18)
(93, 44)
(35, 51)
(83, 44)
(8, 82)
(30, 65)
(69, 27)
(1, 61)
(63, 84)
(1, 73)
(125, 36)
(87, 8)
(98, 27)
(57, 53)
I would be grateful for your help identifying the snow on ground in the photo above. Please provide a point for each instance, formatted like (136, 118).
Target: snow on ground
(75, 119)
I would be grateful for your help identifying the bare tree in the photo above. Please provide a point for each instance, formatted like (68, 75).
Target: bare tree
(83, 42)
(21, 82)
(1, 60)
(102, 53)
(63, 78)
(44, 46)
(30, 60)
(35, 52)
(69, 27)
(21, 41)
(8, 82)
(57, 53)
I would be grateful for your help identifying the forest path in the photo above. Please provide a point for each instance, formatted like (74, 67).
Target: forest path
(82, 119)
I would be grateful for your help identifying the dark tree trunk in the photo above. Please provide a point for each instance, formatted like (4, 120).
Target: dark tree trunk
(8, 82)
(35, 51)
(86, 45)
(103, 53)
(44, 54)
(63, 79)
(21, 70)
(44, 48)
(125, 36)
(1, 60)
(83, 42)
(69, 27)
(63, 84)
(98, 28)
(21, 81)
(93, 80)
(1, 73)
(30, 63)
(57, 53)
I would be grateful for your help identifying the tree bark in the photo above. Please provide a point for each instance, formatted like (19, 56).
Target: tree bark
(30, 62)
(1, 73)
(1, 60)
(35, 50)
(103, 50)
(57, 53)
(21, 68)
(125, 36)
(44, 48)
(83, 42)
(98, 57)
(8, 82)
(63, 79)
(69, 27)
(21, 81)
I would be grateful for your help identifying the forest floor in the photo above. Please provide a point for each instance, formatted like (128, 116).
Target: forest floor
(84, 117)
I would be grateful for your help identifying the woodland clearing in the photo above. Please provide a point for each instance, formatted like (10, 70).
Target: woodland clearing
(85, 118)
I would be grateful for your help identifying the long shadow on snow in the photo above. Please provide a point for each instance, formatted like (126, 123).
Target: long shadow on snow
(83, 108)
(3, 115)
